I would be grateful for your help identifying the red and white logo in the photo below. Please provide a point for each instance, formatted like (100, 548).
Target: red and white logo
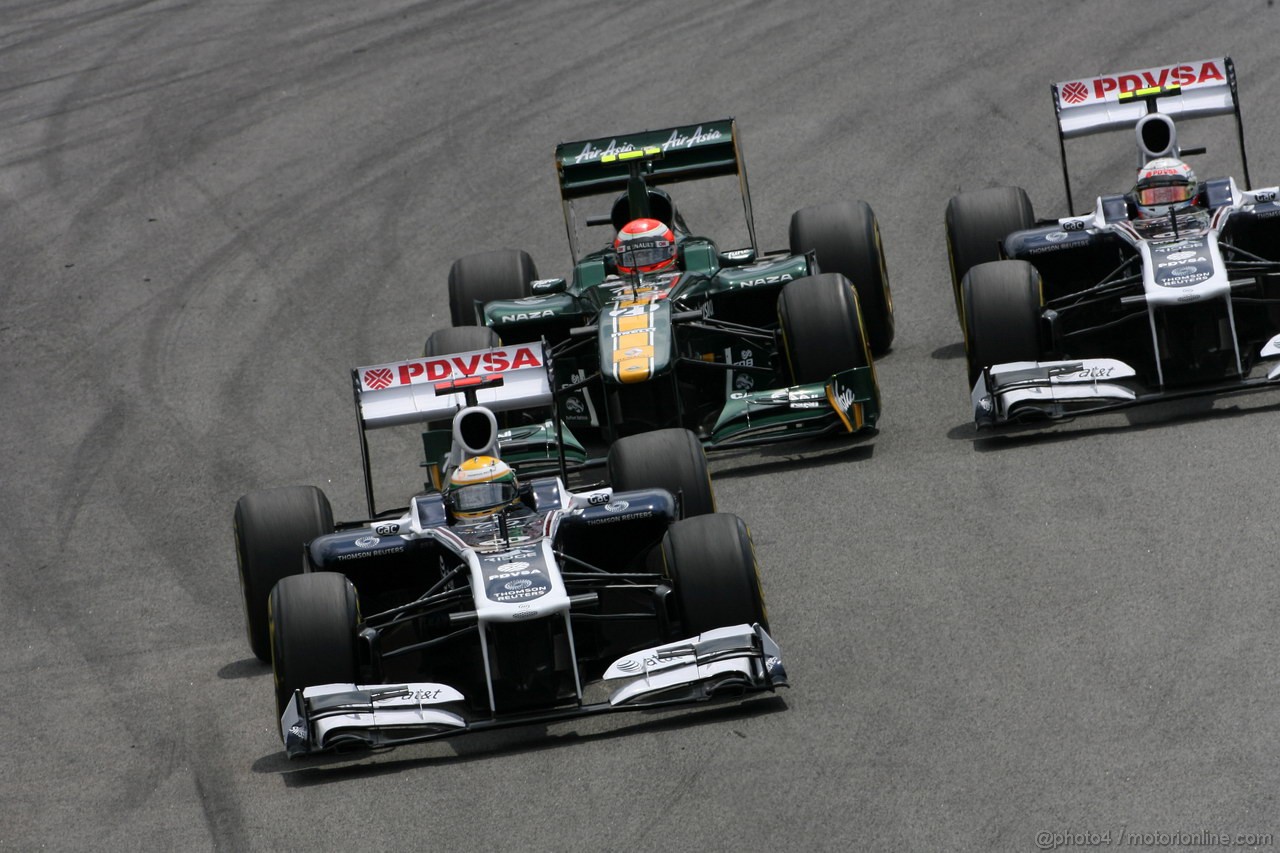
(1074, 93)
(448, 367)
(378, 378)
(1108, 86)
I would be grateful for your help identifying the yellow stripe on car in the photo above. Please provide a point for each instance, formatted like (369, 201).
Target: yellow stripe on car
(855, 411)
(631, 341)
(1149, 91)
(631, 155)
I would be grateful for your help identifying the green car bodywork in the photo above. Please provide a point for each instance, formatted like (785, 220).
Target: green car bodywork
(701, 347)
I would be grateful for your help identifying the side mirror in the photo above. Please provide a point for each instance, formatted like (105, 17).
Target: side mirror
(547, 286)
(737, 257)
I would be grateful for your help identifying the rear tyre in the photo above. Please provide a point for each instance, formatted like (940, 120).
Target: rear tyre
(846, 238)
(670, 459)
(313, 633)
(977, 224)
(460, 339)
(822, 330)
(484, 277)
(712, 563)
(272, 529)
(1002, 302)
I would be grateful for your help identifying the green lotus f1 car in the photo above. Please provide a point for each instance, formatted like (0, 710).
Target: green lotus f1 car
(741, 346)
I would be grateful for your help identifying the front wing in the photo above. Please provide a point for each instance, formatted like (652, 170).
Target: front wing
(848, 402)
(724, 662)
(1028, 391)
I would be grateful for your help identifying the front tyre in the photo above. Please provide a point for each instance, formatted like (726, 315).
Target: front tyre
(846, 239)
(460, 339)
(712, 564)
(272, 529)
(1002, 302)
(670, 459)
(313, 633)
(822, 331)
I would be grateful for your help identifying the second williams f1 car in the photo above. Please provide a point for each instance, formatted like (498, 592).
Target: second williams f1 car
(1167, 291)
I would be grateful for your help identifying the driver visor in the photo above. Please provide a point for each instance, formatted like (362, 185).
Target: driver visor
(482, 496)
(1168, 194)
(644, 254)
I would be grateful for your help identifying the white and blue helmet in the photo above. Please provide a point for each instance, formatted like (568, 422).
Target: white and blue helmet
(1164, 185)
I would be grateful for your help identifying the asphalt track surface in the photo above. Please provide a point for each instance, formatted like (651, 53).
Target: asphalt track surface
(211, 211)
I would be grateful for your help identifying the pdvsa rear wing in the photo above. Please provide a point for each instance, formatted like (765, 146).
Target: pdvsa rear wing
(1186, 90)
(436, 387)
(685, 153)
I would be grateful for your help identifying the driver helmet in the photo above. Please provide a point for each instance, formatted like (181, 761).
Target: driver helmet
(645, 246)
(481, 486)
(1164, 185)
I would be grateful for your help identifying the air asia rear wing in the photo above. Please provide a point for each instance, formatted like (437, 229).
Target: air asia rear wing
(409, 392)
(1119, 101)
(689, 152)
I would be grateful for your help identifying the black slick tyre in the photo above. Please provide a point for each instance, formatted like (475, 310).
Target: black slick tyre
(1002, 302)
(460, 339)
(977, 223)
(845, 236)
(670, 459)
(313, 633)
(712, 564)
(485, 277)
(272, 528)
(822, 331)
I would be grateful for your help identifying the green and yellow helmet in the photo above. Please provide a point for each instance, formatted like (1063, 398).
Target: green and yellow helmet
(481, 486)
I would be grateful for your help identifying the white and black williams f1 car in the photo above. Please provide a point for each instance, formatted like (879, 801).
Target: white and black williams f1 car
(531, 603)
(1130, 303)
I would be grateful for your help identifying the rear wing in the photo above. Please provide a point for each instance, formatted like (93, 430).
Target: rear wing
(591, 167)
(435, 388)
(1187, 90)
